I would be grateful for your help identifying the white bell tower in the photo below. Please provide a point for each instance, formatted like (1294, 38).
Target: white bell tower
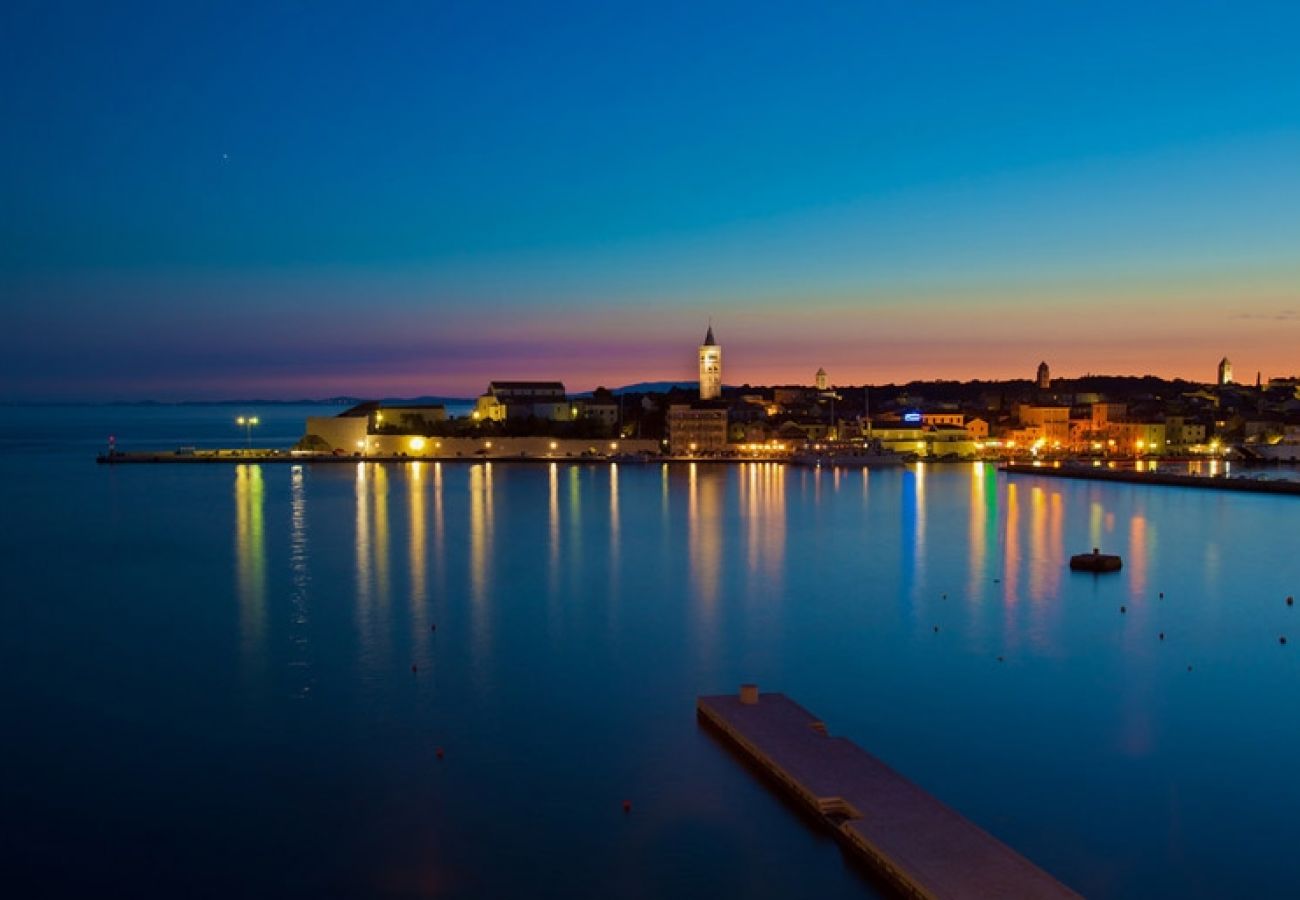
(710, 367)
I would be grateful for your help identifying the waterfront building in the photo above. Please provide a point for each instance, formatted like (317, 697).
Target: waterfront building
(1044, 377)
(413, 418)
(821, 379)
(710, 367)
(1052, 422)
(524, 399)
(695, 428)
(1225, 372)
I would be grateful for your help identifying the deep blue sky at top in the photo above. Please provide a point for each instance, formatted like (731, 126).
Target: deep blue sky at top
(214, 198)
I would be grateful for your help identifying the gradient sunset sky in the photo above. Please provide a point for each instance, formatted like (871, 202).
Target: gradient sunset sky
(303, 199)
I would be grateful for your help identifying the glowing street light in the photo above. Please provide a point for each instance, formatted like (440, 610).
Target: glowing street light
(247, 423)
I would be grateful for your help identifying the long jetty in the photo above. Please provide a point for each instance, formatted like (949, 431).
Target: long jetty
(920, 846)
(1166, 479)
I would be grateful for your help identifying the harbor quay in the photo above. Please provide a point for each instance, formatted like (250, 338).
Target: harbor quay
(1166, 479)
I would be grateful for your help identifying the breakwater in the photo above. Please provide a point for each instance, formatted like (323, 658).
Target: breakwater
(1166, 479)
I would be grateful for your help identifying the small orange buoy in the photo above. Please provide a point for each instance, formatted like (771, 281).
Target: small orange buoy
(438, 752)
(627, 806)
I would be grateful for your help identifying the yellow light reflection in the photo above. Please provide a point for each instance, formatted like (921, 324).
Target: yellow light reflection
(250, 557)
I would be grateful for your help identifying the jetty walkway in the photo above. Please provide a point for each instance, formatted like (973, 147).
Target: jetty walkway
(1167, 479)
(922, 847)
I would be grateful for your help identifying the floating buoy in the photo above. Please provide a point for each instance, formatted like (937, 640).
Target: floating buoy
(1123, 609)
(1162, 595)
(997, 580)
(1162, 635)
(414, 667)
(999, 659)
(1189, 668)
(936, 629)
(1290, 601)
(945, 596)
(627, 806)
(433, 627)
(1096, 561)
(1282, 640)
(438, 752)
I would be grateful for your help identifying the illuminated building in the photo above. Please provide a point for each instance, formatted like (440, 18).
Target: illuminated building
(1044, 378)
(1225, 372)
(710, 367)
(697, 428)
(821, 379)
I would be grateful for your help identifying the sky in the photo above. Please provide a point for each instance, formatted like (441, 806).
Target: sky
(305, 199)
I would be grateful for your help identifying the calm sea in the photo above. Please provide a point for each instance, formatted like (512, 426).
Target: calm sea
(208, 685)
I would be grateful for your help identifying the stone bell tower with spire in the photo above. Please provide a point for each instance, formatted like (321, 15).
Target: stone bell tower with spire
(710, 367)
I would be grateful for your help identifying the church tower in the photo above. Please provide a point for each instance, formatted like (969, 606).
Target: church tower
(710, 367)
(1225, 372)
(821, 379)
(1044, 376)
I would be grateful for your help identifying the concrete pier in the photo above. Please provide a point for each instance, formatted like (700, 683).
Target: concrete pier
(1167, 479)
(922, 847)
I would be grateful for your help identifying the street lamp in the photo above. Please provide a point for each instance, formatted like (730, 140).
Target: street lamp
(247, 423)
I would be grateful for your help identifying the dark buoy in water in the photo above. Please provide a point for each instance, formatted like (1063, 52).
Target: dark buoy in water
(1162, 595)
(1189, 668)
(1096, 561)
(1282, 640)
(936, 629)
(414, 667)
(438, 752)
(1162, 635)
(945, 596)
(1123, 609)
(999, 659)
(627, 806)
(1290, 601)
(433, 627)
(997, 580)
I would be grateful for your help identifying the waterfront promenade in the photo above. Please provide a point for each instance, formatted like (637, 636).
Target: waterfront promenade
(922, 847)
(1166, 479)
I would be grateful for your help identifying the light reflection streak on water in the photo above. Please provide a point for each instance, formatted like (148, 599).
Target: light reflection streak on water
(1137, 548)
(418, 550)
(762, 500)
(362, 548)
(439, 530)
(1011, 550)
(379, 490)
(613, 529)
(1037, 543)
(250, 559)
(703, 538)
(979, 515)
(480, 567)
(553, 532)
(299, 579)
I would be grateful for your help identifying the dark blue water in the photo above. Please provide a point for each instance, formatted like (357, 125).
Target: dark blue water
(208, 686)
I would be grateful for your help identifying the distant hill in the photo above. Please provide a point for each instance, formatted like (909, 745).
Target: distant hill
(650, 387)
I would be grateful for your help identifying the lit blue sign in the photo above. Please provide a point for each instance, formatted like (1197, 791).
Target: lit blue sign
(912, 417)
